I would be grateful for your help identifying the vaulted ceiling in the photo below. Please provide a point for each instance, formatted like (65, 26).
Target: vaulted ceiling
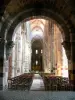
(37, 28)
(37, 24)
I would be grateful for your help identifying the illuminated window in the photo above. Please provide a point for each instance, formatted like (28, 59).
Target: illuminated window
(41, 51)
(36, 62)
(36, 51)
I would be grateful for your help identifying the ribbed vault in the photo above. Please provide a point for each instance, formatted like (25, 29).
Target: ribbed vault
(37, 28)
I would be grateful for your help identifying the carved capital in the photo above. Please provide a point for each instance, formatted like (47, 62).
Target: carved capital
(66, 45)
(9, 46)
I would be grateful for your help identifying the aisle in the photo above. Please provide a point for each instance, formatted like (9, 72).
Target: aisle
(37, 83)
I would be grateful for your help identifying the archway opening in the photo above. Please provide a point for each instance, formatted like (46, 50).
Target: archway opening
(36, 59)
(38, 47)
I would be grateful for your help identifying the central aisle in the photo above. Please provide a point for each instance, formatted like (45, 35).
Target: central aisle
(37, 83)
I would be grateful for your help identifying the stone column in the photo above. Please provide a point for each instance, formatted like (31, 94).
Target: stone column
(1, 62)
(72, 71)
(52, 58)
(67, 46)
(7, 52)
(9, 46)
(70, 51)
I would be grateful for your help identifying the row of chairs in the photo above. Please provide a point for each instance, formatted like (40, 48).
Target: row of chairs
(57, 83)
(22, 82)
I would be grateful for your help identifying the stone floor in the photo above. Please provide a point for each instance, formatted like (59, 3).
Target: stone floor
(36, 95)
(37, 83)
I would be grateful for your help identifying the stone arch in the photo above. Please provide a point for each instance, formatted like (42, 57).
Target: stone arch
(61, 11)
(37, 44)
(52, 10)
(12, 21)
(10, 24)
(35, 38)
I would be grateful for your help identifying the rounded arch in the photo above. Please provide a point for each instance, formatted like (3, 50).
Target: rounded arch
(59, 14)
(31, 14)
(37, 44)
(44, 13)
(37, 38)
(37, 28)
(39, 21)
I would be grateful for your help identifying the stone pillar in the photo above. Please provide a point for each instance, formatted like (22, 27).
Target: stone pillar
(1, 72)
(70, 51)
(7, 52)
(1, 63)
(9, 46)
(73, 65)
(72, 72)
(70, 67)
